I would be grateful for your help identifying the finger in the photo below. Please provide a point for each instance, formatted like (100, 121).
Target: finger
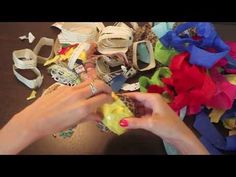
(100, 87)
(139, 96)
(94, 117)
(93, 103)
(135, 123)
(83, 84)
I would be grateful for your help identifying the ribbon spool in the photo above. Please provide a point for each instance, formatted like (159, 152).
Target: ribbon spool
(115, 39)
(136, 55)
(43, 42)
(26, 59)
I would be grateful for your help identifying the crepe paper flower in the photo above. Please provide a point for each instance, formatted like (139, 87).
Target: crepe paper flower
(155, 89)
(162, 54)
(232, 46)
(229, 65)
(66, 49)
(198, 47)
(225, 92)
(145, 82)
(189, 85)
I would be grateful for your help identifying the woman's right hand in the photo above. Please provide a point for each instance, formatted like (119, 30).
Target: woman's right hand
(161, 120)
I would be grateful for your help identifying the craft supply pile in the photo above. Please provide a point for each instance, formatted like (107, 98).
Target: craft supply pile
(190, 65)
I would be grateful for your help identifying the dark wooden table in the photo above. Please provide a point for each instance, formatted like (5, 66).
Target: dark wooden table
(87, 139)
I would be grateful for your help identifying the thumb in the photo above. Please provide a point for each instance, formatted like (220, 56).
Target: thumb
(134, 123)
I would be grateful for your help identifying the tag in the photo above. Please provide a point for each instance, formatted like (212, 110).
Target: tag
(117, 82)
(79, 69)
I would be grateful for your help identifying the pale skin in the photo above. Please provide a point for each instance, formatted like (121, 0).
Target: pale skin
(165, 123)
(69, 106)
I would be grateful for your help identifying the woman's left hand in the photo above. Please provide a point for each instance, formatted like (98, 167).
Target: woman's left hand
(63, 108)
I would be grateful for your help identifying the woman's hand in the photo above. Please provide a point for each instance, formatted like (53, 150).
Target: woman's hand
(161, 120)
(63, 108)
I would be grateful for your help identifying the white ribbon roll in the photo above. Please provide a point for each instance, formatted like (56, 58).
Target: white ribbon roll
(152, 63)
(24, 59)
(76, 53)
(115, 39)
(43, 42)
(29, 83)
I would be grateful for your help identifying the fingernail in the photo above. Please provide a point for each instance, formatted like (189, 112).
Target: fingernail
(123, 123)
(98, 120)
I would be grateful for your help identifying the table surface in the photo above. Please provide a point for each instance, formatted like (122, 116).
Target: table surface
(87, 138)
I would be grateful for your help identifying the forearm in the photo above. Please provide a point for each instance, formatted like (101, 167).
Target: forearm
(189, 144)
(15, 136)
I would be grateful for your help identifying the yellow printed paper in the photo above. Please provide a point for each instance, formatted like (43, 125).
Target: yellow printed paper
(216, 114)
(32, 95)
(52, 60)
(65, 57)
(229, 123)
(232, 132)
(231, 78)
(113, 113)
(83, 56)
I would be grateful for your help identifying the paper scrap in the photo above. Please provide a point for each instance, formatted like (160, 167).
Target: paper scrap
(232, 132)
(30, 37)
(216, 114)
(32, 95)
(130, 87)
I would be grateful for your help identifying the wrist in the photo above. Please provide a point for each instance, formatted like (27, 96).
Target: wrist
(187, 143)
(16, 135)
(25, 127)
